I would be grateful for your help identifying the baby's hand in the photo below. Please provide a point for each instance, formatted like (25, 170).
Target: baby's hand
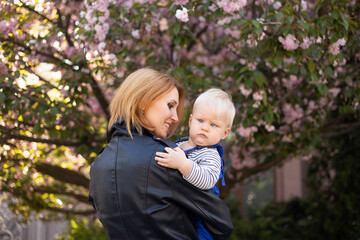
(172, 158)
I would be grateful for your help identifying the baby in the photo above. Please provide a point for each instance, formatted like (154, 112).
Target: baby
(199, 157)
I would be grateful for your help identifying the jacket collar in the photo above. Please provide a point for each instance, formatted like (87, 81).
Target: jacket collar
(119, 129)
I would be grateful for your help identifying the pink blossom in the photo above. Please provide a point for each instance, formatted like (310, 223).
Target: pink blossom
(290, 42)
(311, 107)
(101, 31)
(224, 21)
(105, 17)
(256, 104)
(182, 15)
(135, 34)
(230, 6)
(20, 37)
(244, 91)
(292, 113)
(289, 83)
(334, 48)
(213, 8)
(7, 27)
(277, 5)
(233, 33)
(70, 51)
(101, 47)
(287, 138)
(334, 91)
(306, 43)
(247, 160)
(246, 132)
(252, 66)
(181, 2)
(3, 69)
(163, 24)
(258, 96)
(303, 5)
(102, 5)
(269, 128)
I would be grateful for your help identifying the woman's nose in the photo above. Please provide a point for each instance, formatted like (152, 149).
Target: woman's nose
(174, 117)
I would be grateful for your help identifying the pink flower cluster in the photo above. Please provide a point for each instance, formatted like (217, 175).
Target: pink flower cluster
(7, 27)
(101, 31)
(3, 69)
(307, 42)
(181, 2)
(230, 6)
(182, 15)
(248, 160)
(244, 91)
(292, 113)
(290, 42)
(334, 48)
(246, 132)
(70, 51)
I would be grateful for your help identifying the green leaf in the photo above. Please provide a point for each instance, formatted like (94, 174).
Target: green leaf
(264, 100)
(258, 31)
(329, 71)
(177, 40)
(344, 21)
(304, 25)
(176, 28)
(279, 16)
(311, 66)
(278, 60)
(249, 83)
(335, 14)
(322, 88)
(256, 24)
(17, 74)
(259, 78)
(303, 70)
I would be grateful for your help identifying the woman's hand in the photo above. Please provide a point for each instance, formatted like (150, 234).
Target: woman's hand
(175, 159)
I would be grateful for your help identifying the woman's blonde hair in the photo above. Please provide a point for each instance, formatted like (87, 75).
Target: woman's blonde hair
(135, 95)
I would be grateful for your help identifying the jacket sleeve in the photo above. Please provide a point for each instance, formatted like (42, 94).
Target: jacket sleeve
(212, 210)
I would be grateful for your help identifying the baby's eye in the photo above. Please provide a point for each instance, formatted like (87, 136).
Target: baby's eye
(213, 124)
(200, 120)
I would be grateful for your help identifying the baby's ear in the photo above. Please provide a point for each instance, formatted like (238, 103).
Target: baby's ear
(190, 117)
(227, 131)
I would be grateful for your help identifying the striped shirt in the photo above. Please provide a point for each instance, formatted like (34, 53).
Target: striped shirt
(206, 169)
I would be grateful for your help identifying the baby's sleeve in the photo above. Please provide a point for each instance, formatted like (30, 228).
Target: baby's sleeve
(206, 169)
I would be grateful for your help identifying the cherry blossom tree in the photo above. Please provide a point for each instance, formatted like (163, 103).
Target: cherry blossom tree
(292, 68)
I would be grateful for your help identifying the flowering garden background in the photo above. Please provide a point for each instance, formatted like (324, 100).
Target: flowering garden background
(292, 68)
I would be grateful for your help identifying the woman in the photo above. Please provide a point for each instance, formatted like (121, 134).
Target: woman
(134, 197)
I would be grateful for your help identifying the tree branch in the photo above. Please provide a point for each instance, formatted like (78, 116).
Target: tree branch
(33, 10)
(29, 50)
(47, 189)
(100, 96)
(9, 135)
(64, 28)
(30, 97)
(72, 211)
(63, 174)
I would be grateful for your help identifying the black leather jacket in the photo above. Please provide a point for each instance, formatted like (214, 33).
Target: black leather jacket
(136, 198)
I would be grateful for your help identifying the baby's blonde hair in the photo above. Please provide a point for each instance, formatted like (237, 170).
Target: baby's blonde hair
(135, 95)
(219, 101)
